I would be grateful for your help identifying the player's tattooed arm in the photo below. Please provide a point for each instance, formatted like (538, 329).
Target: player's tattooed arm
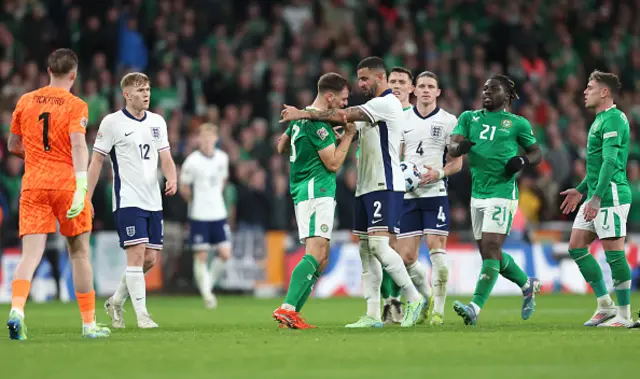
(459, 145)
(15, 145)
(336, 116)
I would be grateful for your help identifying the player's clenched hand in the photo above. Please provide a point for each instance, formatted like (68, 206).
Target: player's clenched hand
(290, 113)
(349, 127)
(171, 187)
(571, 200)
(431, 176)
(516, 164)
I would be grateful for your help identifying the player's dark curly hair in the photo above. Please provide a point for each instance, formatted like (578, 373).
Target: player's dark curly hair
(509, 87)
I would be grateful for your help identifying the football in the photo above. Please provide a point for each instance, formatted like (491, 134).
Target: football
(411, 175)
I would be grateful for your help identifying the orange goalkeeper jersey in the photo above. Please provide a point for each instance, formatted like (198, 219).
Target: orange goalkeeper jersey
(44, 119)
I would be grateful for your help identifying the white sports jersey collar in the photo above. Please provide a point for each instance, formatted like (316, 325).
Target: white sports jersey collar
(433, 113)
(128, 114)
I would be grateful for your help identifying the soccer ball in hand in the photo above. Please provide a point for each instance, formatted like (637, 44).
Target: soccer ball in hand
(411, 175)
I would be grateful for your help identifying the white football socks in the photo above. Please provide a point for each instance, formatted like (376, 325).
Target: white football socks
(393, 264)
(605, 301)
(203, 278)
(122, 293)
(418, 274)
(217, 267)
(439, 278)
(371, 279)
(137, 289)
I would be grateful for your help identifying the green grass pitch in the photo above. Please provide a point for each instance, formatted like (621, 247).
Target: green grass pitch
(240, 340)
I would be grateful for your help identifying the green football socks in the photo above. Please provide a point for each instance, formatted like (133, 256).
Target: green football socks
(488, 277)
(306, 295)
(621, 274)
(511, 271)
(590, 269)
(389, 288)
(302, 278)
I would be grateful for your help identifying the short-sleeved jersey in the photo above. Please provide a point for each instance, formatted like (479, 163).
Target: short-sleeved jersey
(309, 178)
(134, 146)
(498, 136)
(44, 119)
(379, 159)
(425, 139)
(609, 129)
(207, 176)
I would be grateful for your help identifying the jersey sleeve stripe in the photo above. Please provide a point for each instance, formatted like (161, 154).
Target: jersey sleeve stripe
(117, 184)
(386, 157)
(372, 120)
(97, 150)
(164, 148)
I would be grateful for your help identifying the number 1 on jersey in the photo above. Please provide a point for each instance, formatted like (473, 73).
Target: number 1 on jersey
(45, 129)
(483, 133)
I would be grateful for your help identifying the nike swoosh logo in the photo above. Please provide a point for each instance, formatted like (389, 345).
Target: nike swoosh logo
(440, 225)
(139, 298)
(128, 134)
(376, 221)
(476, 118)
(408, 131)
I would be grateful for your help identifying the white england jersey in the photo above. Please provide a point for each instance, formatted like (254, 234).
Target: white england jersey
(134, 147)
(425, 141)
(379, 162)
(207, 176)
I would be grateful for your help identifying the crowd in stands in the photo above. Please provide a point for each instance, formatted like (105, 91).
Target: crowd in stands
(236, 62)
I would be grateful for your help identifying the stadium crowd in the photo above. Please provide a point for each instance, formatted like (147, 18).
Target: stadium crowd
(236, 62)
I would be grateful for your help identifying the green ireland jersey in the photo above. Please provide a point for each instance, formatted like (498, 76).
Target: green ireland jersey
(609, 131)
(497, 137)
(309, 178)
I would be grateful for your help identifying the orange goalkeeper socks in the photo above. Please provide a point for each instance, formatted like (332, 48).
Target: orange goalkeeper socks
(19, 293)
(87, 305)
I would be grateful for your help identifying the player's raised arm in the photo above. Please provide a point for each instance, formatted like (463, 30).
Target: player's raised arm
(80, 156)
(333, 157)
(337, 116)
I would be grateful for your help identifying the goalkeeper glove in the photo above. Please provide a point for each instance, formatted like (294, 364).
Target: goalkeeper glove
(516, 164)
(77, 205)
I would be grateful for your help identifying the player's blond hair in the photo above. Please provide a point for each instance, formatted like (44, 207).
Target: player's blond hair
(135, 79)
(209, 127)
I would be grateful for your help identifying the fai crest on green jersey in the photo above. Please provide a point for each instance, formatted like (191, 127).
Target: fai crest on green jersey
(507, 123)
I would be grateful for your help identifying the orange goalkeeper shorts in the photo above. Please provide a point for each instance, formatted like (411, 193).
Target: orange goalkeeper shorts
(39, 210)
